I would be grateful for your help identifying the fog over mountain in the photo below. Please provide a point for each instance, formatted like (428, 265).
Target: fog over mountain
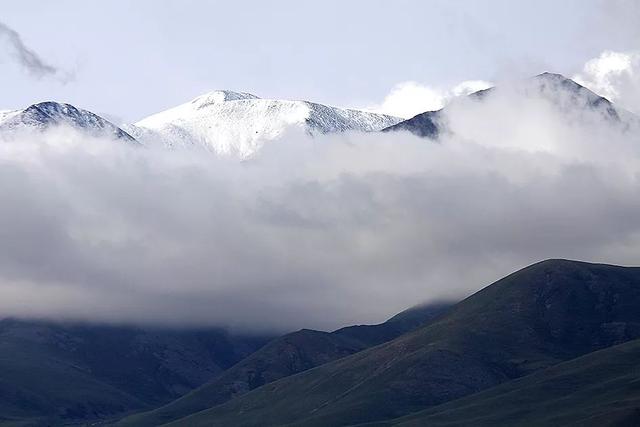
(287, 213)
(313, 231)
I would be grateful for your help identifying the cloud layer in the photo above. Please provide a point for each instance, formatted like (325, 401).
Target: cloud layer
(312, 233)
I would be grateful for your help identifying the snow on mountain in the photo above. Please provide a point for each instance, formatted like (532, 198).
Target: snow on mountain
(239, 123)
(566, 95)
(574, 101)
(44, 115)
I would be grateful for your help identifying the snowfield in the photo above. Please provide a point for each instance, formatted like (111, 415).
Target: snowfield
(240, 123)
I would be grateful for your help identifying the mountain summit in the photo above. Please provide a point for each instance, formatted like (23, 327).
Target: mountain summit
(45, 115)
(239, 123)
(562, 94)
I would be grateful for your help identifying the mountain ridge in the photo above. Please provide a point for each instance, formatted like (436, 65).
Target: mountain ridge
(62, 372)
(599, 388)
(287, 355)
(556, 310)
(564, 93)
(229, 122)
(44, 115)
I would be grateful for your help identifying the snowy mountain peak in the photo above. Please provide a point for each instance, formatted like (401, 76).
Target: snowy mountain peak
(547, 75)
(218, 96)
(567, 94)
(239, 123)
(43, 115)
(559, 83)
(564, 96)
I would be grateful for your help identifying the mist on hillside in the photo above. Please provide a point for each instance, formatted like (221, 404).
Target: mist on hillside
(312, 232)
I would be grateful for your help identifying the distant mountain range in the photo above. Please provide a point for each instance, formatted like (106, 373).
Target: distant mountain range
(240, 123)
(222, 121)
(565, 95)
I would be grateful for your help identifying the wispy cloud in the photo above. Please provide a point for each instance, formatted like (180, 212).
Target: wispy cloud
(28, 59)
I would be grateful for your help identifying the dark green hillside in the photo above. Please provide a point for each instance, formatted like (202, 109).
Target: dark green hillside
(542, 315)
(599, 389)
(64, 372)
(284, 356)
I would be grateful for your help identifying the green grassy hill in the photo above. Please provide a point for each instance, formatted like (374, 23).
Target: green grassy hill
(59, 373)
(284, 356)
(542, 315)
(599, 389)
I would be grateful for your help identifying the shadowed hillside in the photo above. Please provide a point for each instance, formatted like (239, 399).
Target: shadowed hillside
(284, 356)
(598, 389)
(65, 372)
(533, 319)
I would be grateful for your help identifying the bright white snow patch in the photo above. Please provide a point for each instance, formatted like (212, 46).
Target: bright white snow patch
(239, 123)
(7, 114)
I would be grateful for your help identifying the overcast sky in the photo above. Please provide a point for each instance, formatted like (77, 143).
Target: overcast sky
(128, 59)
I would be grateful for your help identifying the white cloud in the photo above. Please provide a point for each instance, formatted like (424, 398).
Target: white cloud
(616, 76)
(319, 233)
(410, 98)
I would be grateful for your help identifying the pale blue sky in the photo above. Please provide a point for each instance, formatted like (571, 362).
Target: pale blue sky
(131, 59)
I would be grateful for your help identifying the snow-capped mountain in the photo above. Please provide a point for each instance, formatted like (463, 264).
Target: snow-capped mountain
(239, 123)
(574, 101)
(44, 115)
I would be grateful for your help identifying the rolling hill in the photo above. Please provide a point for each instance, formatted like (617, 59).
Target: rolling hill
(285, 356)
(542, 315)
(599, 389)
(57, 373)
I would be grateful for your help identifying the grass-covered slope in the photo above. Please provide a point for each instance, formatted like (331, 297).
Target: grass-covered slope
(601, 388)
(284, 356)
(62, 373)
(535, 318)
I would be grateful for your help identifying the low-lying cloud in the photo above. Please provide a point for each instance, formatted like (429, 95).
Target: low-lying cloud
(318, 233)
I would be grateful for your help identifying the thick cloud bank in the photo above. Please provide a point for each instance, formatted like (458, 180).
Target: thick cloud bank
(311, 232)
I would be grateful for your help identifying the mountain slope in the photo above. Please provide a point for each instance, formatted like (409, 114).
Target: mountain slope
(239, 123)
(284, 356)
(565, 95)
(82, 372)
(533, 319)
(599, 389)
(45, 115)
